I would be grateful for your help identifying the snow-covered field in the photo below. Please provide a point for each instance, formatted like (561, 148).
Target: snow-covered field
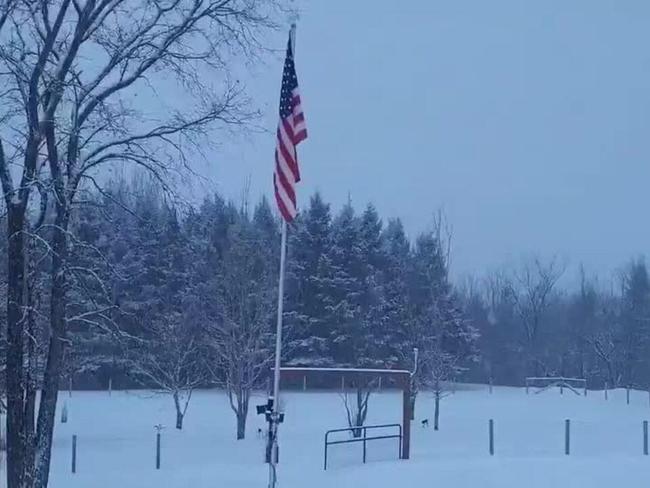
(116, 441)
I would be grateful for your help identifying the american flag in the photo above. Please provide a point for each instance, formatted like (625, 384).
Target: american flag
(291, 132)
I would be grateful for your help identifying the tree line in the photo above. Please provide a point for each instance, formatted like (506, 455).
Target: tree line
(531, 325)
(179, 297)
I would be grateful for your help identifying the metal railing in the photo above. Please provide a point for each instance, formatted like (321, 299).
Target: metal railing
(364, 438)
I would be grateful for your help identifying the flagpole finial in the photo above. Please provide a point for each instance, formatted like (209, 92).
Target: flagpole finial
(292, 35)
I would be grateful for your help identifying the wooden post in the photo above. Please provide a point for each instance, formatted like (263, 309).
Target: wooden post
(561, 388)
(379, 384)
(304, 383)
(490, 385)
(526, 386)
(74, 454)
(406, 417)
(110, 386)
(645, 437)
(567, 437)
(158, 450)
(606, 387)
(342, 383)
(628, 395)
(491, 430)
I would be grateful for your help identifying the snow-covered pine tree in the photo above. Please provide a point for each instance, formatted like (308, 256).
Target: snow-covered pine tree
(308, 286)
(347, 286)
(396, 312)
(439, 329)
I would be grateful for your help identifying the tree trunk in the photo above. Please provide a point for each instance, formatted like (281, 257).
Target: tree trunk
(241, 425)
(16, 445)
(52, 375)
(436, 412)
(242, 412)
(179, 411)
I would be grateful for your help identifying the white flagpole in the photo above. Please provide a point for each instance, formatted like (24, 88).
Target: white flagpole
(278, 355)
(275, 414)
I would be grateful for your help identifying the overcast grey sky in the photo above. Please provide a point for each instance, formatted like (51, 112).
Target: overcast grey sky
(528, 121)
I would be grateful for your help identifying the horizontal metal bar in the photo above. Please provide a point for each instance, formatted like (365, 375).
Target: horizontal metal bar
(361, 439)
(363, 427)
(298, 369)
(556, 378)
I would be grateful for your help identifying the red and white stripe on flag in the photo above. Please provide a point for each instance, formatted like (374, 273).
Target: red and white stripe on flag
(291, 132)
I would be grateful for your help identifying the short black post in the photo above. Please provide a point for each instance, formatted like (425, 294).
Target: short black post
(628, 395)
(567, 437)
(491, 429)
(490, 386)
(64, 413)
(645, 437)
(606, 388)
(157, 450)
(74, 454)
(364, 445)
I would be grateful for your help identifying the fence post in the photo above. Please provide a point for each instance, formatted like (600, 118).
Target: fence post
(561, 388)
(567, 437)
(645, 437)
(490, 385)
(110, 386)
(364, 445)
(342, 383)
(74, 454)
(628, 395)
(491, 430)
(304, 383)
(379, 386)
(606, 387)
(158, 450)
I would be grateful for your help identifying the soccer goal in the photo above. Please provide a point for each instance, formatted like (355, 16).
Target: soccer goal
(400, 379)
(540, 384)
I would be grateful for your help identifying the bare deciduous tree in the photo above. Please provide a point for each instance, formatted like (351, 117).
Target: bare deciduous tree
(534, 284)
(239, 336)
(357, 411)
(169, 359)
(80, 91)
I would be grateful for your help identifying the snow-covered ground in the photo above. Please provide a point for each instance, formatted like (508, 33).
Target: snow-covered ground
(116, 441)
